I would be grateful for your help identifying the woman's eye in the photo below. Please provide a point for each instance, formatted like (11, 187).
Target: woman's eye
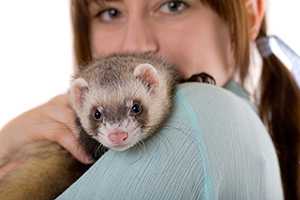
(108, 14)
(175, 6)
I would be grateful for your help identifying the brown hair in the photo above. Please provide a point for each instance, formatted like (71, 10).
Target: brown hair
(279, 100)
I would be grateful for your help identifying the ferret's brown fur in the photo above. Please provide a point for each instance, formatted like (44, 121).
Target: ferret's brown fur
(50, 169)
(45, 173)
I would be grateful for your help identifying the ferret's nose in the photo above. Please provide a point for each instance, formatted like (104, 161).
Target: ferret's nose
(118, 137)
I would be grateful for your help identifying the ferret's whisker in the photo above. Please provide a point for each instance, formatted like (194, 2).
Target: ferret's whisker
(103, 148)
(138, 145)
(100, 146)
(96, 151)
(99, 150)
(141, 142)
(100, 133)
(143, 145)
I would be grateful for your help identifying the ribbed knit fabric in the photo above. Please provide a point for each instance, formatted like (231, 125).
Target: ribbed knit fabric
(213, 147)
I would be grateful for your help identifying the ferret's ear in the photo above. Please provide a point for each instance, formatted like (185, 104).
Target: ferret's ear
(77, 93)
(148, 74)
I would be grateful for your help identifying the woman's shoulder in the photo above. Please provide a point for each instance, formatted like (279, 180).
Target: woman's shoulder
(215, 110)
(234, 145)
(230, 94)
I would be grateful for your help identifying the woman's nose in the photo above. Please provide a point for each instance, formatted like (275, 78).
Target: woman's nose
(139, 37)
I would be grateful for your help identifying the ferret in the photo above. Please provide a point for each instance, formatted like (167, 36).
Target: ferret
(119, 101)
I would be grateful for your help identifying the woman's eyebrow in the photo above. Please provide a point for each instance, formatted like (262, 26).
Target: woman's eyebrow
(103, 2)
(96, 3)
(106, 1)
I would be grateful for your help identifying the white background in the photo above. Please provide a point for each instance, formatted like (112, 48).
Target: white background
(36, 49)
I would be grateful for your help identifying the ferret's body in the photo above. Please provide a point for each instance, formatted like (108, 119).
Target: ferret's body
(117, 103)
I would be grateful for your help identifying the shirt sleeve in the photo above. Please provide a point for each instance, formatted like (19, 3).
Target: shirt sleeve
(212, 147)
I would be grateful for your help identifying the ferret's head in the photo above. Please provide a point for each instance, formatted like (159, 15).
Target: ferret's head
(121, 109)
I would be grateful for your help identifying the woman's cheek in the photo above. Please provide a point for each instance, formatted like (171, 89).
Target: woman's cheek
(104, 43)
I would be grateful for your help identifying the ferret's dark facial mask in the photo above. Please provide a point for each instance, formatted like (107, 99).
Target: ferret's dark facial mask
(116, 113)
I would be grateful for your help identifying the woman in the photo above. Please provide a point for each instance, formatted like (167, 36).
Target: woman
(210, 36)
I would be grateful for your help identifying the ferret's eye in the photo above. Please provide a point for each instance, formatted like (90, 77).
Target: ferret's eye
(136, 109)
(97, 115)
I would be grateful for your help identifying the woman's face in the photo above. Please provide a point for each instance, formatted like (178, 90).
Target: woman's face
(187, 33)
